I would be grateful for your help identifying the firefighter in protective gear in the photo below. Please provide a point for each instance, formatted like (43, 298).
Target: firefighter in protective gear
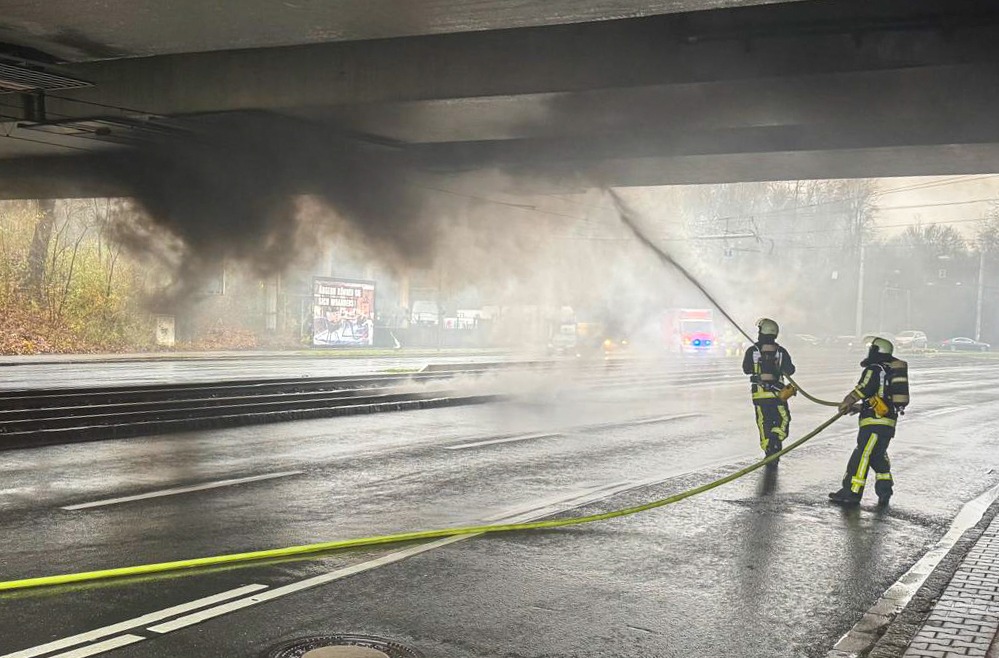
(878, 414)
(767, 363)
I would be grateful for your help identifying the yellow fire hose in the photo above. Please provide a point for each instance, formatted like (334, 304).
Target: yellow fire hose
(324, 547)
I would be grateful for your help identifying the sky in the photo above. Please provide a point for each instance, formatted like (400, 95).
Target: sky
(957, 201)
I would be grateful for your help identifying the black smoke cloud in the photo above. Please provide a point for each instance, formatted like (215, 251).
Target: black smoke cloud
(229, 186)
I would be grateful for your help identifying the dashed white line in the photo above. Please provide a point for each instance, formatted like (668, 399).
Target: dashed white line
(101, 647)
(921, 569)
(181, 490)
(218, 611)
(638, 421)
(583, 428)
(505, 439)
(537, 505)
(578, 500)
(557, 505)
(130, 624)
(942, 412)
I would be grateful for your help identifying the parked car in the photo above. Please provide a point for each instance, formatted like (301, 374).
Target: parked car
(962, 343)
(911, 340)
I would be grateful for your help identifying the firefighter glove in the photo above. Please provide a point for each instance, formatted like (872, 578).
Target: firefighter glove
(787, 392)
(846, 406)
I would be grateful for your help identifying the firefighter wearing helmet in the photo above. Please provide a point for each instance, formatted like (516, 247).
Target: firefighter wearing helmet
(879, 406)
(767, 364)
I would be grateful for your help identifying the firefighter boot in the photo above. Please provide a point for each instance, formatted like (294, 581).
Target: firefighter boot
(884, 482)
(845, 497)
(884, 489)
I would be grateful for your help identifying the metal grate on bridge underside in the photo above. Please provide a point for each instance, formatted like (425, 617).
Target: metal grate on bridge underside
(20, 79)
(123, 130)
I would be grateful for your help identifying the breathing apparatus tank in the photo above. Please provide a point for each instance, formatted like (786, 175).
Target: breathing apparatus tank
(768, 361)
(898, 383)
(896, 386)
(769, 364)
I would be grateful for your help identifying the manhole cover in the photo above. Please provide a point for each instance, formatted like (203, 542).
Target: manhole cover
(343, 646)
(344, 652)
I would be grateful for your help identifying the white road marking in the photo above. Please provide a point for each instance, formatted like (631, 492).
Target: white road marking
(967, 518)
(540, 505)
(637, 421)
(506, 439)
(582, 428)
(662, 419)
(218, 611)
(181, 490)
(558, 505)
(129, 624)
(941, 412)
(555, 506)
(867, 631)
(101, 647)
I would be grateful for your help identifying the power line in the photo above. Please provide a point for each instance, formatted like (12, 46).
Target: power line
(38, 141)
(900, 225)
(766, 214)
(940, 204)
(842, 200)
(106, 106)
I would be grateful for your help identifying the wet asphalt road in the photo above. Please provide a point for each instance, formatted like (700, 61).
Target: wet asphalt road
(760, 567)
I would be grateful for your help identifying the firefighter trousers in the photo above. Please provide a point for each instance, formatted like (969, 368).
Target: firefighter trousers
(773, 418)
(871, 453)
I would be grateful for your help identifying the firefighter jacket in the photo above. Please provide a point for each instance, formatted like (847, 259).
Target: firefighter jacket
(767, 363)
(874, 383)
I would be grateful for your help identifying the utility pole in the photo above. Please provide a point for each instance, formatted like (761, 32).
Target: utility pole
(881, 308)
(271, 288)
(859, 325)
(981, 287)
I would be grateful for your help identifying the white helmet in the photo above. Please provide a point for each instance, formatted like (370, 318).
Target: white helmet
(767, 327)
(880, 346)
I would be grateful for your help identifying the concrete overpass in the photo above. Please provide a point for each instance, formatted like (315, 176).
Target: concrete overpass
(624, 93)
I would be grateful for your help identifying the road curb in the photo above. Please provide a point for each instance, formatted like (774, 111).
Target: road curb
(900, 633)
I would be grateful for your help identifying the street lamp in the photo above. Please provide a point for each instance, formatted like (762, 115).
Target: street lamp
(981, 287)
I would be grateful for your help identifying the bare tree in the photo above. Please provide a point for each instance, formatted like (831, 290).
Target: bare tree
(988, 232)
(34, 279)
(933, 241)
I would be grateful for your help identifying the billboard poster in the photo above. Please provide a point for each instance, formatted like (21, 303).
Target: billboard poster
(343, 312)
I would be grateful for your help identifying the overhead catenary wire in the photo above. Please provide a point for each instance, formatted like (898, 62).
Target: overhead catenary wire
(795, 208)
(626, 219)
